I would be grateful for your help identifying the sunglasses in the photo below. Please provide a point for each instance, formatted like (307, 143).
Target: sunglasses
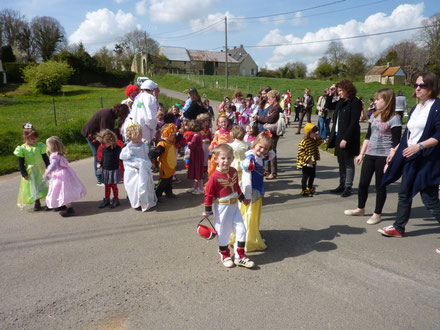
(420, 85)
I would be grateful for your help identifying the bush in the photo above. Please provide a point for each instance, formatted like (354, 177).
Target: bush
(47, 77)
(14, 72)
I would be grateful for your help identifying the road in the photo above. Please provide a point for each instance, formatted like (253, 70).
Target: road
(123, 269)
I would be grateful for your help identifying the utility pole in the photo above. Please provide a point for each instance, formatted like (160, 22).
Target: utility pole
(226, 52)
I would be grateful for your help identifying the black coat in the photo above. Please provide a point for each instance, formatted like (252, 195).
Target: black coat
(194, 110)
(347, 114)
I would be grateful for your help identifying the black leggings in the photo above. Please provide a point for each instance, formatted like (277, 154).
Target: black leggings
(308, 177)
(370, 165)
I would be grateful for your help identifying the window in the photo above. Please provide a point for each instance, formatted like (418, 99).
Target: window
(243, 72)
(184, 62)
(200, 72)
(252, 72)
(216, 64)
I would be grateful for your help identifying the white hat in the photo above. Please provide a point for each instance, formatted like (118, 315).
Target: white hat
(149, 84)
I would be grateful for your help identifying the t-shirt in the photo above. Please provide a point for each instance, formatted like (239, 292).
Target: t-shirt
(381, 139)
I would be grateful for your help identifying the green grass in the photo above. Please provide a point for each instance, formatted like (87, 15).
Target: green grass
(73, 107)
(254, 84)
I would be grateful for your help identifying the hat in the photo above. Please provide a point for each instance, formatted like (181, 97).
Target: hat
(149, 84)
(308, 128)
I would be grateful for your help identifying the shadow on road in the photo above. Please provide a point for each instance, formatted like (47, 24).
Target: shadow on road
(284, 244)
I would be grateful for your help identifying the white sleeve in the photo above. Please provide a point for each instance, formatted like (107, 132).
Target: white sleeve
(151, 108)
(246, 182)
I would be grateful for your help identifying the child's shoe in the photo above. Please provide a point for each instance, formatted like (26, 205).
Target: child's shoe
(37, 205)
(225, 257)
(313, 191)
(114, 203)
(242, 260)
(306, 193)
(67, 212)
(105, 202)
(190, 190)
(198, 192)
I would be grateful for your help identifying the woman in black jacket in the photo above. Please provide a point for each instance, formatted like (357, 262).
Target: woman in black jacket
(196, 107)
(345, 135)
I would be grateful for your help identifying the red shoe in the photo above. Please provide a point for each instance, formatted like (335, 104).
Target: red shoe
(390, 231)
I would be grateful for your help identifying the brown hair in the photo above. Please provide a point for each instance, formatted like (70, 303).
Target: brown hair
(107, 137)
(254, 129)
(121, 110)
(348, 87)
(29, 132)
(238, 132)
(238, 94)
(263, 138)
(223, 148)
(387, 94)
(275, 94)
(196, 126)
(204, 117)
(432, 84)
(262, 103)
(55, 145)
(194, 95)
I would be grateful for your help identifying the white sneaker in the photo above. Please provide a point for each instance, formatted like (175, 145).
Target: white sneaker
(244, 262)
(373, 221)
(227, 262)
(190, 190)
(198, 192)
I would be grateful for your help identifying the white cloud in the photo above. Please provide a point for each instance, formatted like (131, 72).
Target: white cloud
(299, 19)
(119, 1)
(404, 16)
(178, 10)
(234, 22)
(141, 8)
(102, 28)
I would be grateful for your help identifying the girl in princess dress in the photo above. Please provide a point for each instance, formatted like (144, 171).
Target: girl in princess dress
(196, 167)
(64, 185)
(221, 135)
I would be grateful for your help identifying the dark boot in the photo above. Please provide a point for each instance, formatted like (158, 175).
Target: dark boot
(37, 205)
(67, 212)
(105, 202)
(346, 192)
(338, 189)
(114, 203)
(61, 208)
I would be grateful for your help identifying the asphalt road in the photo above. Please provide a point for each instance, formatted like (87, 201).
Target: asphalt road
(123, 269)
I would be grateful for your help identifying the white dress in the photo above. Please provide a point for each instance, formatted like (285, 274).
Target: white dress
(138, 177)
(144, 113)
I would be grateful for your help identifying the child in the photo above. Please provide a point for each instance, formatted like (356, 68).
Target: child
(245, 116)
(239, 147)
(160, 121)
(253, 189)
(221, 135)
(109, 163)
(166, 151)
(230, 114)
(32, 161)
(221, 196)
(64, 185)
(138, 179)
(308, 155)
(205, 119)
(195, 167)
(188, 134)
(251, 133)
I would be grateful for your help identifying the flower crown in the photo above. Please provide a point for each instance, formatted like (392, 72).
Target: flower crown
(28, 125)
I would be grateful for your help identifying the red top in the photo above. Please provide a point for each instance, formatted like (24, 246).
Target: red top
(221, 185)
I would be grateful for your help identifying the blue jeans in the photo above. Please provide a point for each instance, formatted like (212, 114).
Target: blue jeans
(429, 197)
(322, 128)
(95, 160)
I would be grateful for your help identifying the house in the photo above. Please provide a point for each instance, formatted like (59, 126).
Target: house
(386, 75)
(200, 62)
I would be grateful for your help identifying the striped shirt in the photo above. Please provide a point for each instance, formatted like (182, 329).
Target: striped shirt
(308, 149)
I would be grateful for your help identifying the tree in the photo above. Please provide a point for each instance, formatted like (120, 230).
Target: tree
(48, 35)
(355, 66)
(323, 71)
(26, 43)
(431, 36)
(47, 77)
(336, 53)
(6, 54)
(11, 21)
(105, 58)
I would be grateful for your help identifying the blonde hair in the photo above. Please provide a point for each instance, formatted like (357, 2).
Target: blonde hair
(237, 132)
(107, 137)
(203, 117)
(275, 94)
(55, 145)
(263, 138)
(133, 131)
(386, 94)
(223, 148)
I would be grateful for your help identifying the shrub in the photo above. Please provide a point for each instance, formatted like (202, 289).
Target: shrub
(14, 72)
(47, 77)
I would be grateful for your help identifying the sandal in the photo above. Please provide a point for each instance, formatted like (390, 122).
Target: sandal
(271, 177)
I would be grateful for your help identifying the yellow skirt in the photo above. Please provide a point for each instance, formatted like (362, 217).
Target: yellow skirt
(251, 217)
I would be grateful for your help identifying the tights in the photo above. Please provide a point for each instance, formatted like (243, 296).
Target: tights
(372, 165)
(113, 187)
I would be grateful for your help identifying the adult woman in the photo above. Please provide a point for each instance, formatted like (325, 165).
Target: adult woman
(103, 119)
(417, 157)
(196, 107)
(345, 135)
(263, 106)
(322, 115)
(384, 132)
(272, 116)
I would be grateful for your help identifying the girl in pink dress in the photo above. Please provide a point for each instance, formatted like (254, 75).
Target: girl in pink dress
(196, 166)
(64, 186)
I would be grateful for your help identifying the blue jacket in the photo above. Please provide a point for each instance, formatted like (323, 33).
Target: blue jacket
(422, 169)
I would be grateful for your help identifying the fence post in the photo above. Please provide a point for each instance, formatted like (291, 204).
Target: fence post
(102, 106)
(54, 111)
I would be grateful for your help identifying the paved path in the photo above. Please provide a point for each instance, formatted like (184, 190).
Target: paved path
(122, 269)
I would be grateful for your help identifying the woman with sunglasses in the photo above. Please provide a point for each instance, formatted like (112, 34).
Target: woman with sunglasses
(417, 158)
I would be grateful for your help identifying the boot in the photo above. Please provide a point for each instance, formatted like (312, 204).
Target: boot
(105, 202)
(338, 189)
(67, 212)
(37, 205)
(346, 192)
(114, 203)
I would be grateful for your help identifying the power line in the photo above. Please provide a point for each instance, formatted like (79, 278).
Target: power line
(337, 39)
(190, 34)
(287, 12)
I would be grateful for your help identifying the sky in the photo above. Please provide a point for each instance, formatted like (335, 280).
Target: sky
(262, 27)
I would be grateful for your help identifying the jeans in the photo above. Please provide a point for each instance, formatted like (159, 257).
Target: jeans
(327, 126)
(322, 127)
(372, 165)
(95, 159)
(346, 171)
(429, 197)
